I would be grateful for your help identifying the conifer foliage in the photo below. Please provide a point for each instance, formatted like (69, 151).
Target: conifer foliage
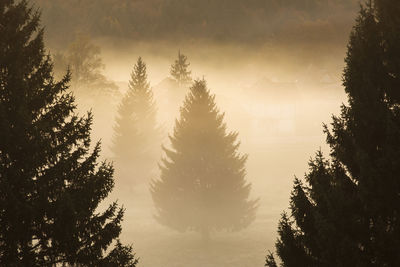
(202, 186)
(347, 212)
(50, 181)
(180, 70)
(137, 137)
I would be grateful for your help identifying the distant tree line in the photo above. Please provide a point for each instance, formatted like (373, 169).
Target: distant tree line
(235, 20)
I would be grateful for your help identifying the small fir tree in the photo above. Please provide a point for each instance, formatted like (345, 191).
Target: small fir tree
(136, 135)
(180, 72)
(202, 186)
(50, 183)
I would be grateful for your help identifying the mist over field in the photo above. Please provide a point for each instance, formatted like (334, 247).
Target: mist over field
(275, 68)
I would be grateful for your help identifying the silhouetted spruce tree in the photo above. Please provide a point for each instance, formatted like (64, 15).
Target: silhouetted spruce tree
(137, 136)
(348, 213)
(202, 186)
(50, 183)
(180, 72)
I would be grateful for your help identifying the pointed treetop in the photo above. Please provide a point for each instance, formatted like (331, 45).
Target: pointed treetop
(179, 70)
(139, 76)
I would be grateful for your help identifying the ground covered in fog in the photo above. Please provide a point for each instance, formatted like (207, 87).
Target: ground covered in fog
(275, 67)
(280, 126)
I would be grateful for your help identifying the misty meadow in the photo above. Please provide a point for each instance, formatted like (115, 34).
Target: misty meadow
(200, 133)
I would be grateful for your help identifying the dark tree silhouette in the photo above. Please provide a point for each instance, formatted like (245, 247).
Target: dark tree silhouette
(50, 182)
(202, 185)
(180, 72)
(347, 213)
(270, 260)
(137, 136)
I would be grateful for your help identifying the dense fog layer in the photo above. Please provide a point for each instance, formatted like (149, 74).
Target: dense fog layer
(277, 81)
(279, 117)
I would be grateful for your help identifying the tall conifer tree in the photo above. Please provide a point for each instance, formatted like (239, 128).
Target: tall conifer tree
(50, 182)
(137, 137)
(202, 186)
(347, 214)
